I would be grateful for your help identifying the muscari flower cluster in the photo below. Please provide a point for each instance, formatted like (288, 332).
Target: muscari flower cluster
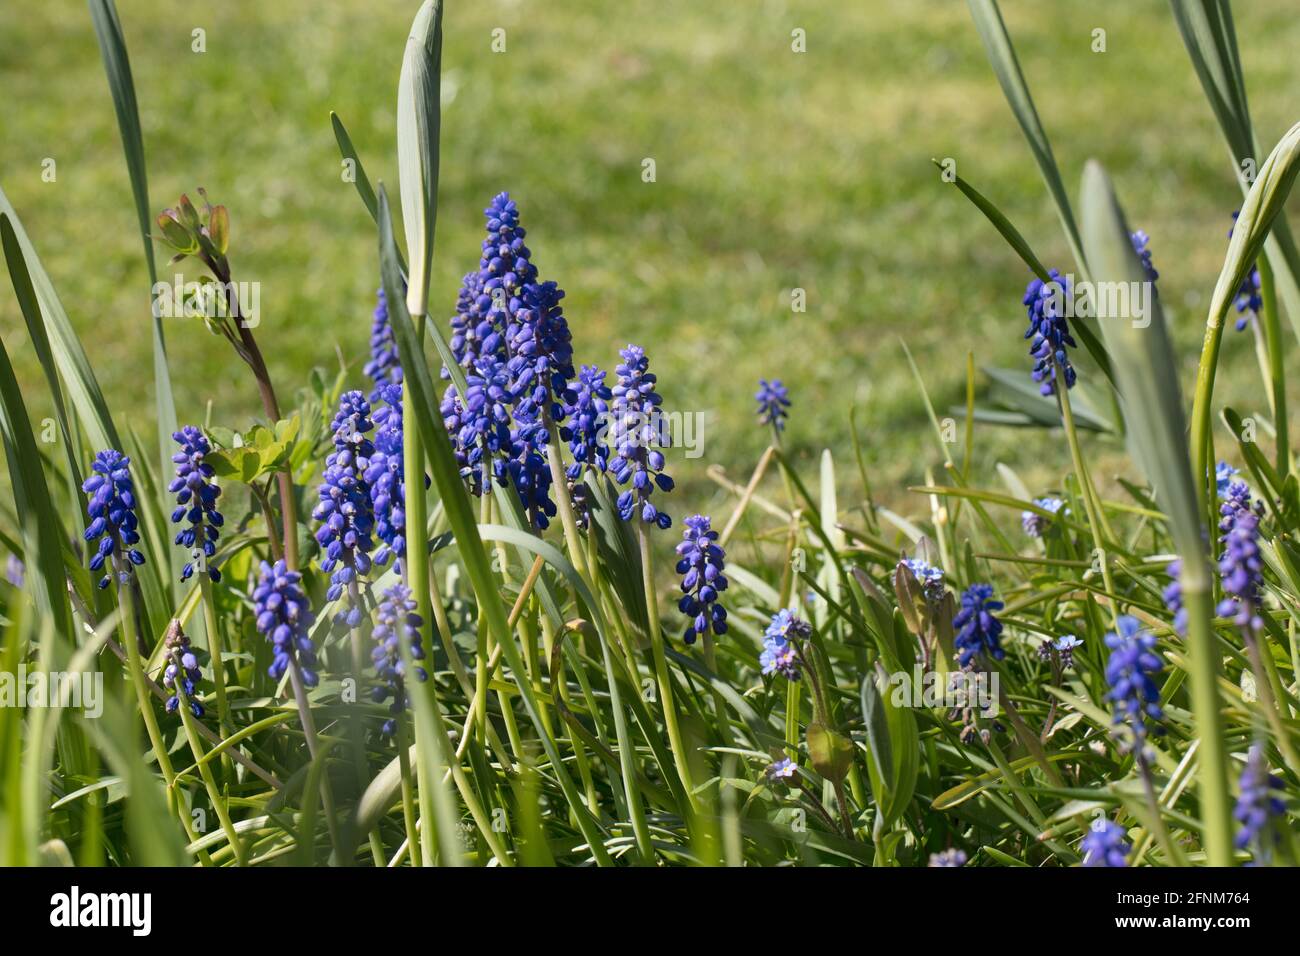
(512, 339)
(1140, 242)
(385, 365)
(1049, 331)
(929, 577)
(196, 501)
(385, 475)
(1224, 475)
(345, 510)
(111, 507)
(283, 617)
(395, 621)
(1259, 805)
(780, 654)
(1036, 525)
(1104, 844)
(586, 414)
(773, 400)
(188, 673)
(1248, 299)
(636, 439)
(1241, 567)
(701, 563)
(1130, 672)
(978, 629)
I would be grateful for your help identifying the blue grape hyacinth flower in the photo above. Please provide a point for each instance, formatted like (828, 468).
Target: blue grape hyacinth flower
(1241, 566)
(395, 621)
(1105, 845)
(188, 673)
(773, 400)
(283, 616)
(1224, 475)
(491, 297)
(978, 629)
(385, 365)
(1141, 242)
(701, 563)
(1173, 595)
(1131, 671)
(586, 418)
(111, 507)
(196, 502)
(635, 435)
(1049, 331)
(1260, 806)
(345, 510)
(529, 469)
(541, 353)
(385, 475)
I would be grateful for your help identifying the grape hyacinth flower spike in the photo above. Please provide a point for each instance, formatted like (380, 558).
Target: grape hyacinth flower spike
(1130, 672)
(701, 564)
(1140, 245)
(948, 858)
(929, 577)
(1049, 331)
(636, 438)
(177, 642)
(283, 617)
(196, 502)
(1104, 844)
(385, 476)
(385, 365)
(395, 621)
(585, 418)
(978, 629)
(1260, 806)
(1173, 595)
(345, 510)
(773, 400)
(111, 507)
(1224, 475)
(1241, 567)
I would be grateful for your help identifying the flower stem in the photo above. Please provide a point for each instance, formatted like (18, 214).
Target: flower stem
(661, 669)
(205, 772)
(1203, 660)
(313, 748)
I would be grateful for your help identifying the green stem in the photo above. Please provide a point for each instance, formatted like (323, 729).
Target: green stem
(415, 566)
(662, 676)
(205, 772)
(408, 792)
(1276, 367)
(1096, 516)
(1204, 667)
(216, 652)
(560, 489)
(314, 749)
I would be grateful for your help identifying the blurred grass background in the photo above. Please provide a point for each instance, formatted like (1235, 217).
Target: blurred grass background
(775, 170)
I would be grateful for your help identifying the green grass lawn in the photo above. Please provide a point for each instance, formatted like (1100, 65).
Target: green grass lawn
(775, 170)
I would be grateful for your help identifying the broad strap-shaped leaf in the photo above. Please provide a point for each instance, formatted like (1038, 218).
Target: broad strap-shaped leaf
(419, 118)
